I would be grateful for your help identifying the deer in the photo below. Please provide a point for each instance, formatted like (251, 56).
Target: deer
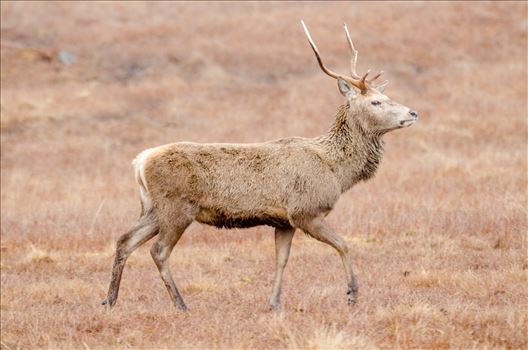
(290, 183)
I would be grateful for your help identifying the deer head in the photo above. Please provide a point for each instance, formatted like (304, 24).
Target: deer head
(366, 102)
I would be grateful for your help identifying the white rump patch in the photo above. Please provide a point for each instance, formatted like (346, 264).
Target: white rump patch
(139, 168)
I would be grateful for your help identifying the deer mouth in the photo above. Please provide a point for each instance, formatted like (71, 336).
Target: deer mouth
(407, 122)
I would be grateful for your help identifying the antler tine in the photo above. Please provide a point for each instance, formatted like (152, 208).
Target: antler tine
(376, 77)
(363, 82)
(353, 60)
(364, 79)
(314, 48)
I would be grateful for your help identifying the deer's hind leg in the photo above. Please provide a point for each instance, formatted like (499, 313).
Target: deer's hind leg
(144, 229)
(172, 226)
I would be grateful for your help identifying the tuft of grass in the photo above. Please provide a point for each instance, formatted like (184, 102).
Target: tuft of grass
(38, 256)
(330, 337)
(410, 325)
(200, 284)
(423, 278)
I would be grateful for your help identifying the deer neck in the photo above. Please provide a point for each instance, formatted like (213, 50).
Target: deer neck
(353, 153)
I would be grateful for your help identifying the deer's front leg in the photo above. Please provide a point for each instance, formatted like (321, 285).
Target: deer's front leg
(319, 229)
(283, 240)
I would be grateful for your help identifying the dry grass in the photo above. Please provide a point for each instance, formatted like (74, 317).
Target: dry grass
(438, 237)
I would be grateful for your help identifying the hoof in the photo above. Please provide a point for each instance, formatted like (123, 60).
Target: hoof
(108, 304)
(107, 307)
(351, 301)
(275, 307)
(352, 297)
(183, 307)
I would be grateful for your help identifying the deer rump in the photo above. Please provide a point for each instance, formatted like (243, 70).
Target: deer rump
(241, 185)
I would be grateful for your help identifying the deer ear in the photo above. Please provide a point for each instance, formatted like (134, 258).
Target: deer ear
(345, 88)
(381, 87)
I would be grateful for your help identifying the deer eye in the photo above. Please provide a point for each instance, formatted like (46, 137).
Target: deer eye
(375, 103)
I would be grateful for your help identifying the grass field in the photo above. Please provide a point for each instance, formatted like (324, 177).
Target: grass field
(438, 237)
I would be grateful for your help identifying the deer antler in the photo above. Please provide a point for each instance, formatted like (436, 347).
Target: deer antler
(316, 52)
(353, 60)
(360, 82)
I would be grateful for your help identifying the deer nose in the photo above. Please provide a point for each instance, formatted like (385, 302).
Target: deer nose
(413, 114)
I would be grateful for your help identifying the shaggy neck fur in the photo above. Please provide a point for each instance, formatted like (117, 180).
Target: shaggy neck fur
(354, 152)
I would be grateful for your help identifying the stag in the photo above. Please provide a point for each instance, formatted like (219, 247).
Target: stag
(289, 184)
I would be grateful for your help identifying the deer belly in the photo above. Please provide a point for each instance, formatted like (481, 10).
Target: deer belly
(275, 217)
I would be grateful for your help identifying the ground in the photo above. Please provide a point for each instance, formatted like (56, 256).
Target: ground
(438, 237)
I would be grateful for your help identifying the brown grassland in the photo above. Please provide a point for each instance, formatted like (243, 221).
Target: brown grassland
(438, 236)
